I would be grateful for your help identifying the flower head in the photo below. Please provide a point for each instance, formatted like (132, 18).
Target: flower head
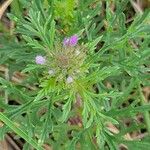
(73, 40)
(69, 80)
(40, 60)
(66, 42)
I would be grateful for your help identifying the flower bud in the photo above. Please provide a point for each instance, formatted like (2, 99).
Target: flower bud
(69, 80)
(51, 72)
(40, 60)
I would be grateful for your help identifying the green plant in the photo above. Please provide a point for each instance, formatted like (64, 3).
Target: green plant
(89, 81)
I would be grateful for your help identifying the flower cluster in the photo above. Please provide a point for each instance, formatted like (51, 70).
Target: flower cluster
(66, 60)
(72, 41)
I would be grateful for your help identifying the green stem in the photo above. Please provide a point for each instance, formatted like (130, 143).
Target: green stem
(146, 113)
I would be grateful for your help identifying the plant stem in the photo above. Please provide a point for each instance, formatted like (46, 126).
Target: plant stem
(4, 7)
(7, 78)
(146, 114)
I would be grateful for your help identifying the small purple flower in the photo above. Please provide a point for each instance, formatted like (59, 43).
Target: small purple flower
(40, 60)
(69, 80)
(66, 42)
(73, 40)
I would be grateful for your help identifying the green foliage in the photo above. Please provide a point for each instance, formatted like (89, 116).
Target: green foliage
(111, 52)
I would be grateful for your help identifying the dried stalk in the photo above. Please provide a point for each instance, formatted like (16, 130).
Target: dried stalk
(4, 7)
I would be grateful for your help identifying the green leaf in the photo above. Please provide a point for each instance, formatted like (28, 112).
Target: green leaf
(128, 111)
(19, 131)
(136, 145)
(46, 125)
(67, 107)
(52, 34)
(92, 45)
(126, 92)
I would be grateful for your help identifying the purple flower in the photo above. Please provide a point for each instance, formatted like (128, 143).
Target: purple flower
(73, 40)
(66, 42)
(69, 80)
(40, 60)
